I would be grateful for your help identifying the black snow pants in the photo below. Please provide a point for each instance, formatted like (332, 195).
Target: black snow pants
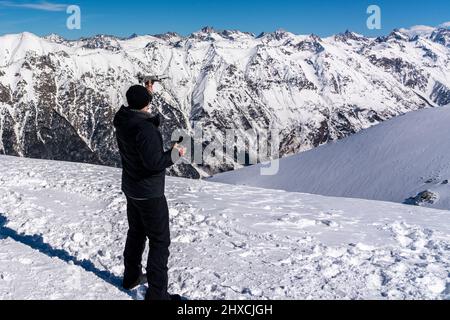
(149, 219)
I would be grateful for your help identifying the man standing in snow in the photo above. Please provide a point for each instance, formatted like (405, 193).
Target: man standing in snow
(144, 164)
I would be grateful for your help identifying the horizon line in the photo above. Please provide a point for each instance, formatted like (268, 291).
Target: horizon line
(444, 25)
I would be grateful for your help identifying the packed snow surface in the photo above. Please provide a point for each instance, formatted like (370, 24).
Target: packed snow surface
(395, 161)
(63, 228)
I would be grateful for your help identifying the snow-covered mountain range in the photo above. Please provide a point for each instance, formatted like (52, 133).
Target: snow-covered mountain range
(63, 228)
(58, 97)
(405, 159)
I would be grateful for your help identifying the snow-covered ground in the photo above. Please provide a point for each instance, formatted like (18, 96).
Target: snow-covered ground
(406, 159)
(27, 274)
(63, 227)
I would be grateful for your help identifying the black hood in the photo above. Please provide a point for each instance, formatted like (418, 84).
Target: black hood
(127, 117)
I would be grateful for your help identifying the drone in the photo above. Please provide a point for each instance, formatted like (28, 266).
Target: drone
(145, 80)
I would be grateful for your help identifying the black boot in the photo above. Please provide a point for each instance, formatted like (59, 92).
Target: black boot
(131, 283)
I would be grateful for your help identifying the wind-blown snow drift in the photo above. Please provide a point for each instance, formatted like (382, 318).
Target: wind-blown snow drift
(63, 227)
(406, 159)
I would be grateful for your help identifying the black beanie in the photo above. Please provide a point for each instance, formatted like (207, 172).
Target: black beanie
(138, 97)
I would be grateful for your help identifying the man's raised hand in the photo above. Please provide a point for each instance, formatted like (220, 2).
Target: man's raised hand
(181, 150)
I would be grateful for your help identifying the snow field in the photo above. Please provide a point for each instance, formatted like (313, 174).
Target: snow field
(229, 242)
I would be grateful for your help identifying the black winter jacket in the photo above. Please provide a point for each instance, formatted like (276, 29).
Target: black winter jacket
(144, 161)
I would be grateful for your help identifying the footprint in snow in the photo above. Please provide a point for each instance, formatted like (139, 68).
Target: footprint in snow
(77, 237)
(328, 223)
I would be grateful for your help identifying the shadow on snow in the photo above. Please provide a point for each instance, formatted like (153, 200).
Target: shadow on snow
(36, 242)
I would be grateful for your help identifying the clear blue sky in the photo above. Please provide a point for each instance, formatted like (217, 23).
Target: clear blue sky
(123, 18)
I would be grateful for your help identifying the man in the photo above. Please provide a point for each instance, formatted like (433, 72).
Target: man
(144, 164)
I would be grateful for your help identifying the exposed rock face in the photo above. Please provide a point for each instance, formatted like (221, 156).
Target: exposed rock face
(425, 197)
(441, 94)
(58, 97)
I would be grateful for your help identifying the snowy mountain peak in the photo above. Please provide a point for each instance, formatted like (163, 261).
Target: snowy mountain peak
(101, 36)
(28, 36)
(277, 35)
(236, 35)
(101, 41)
(312, 43)
(313, 90)
(441, 36)
(169, 36)
(396, 35)
(349, 35)
(53, 37)
(207, 33)
(133, 36)
(207, 29)
(315, 37)
(211, 34)
(280, 34)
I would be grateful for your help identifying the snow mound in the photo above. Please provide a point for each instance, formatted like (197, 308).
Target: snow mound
(404, 160)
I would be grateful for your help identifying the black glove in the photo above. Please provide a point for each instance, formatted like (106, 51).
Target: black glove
(156, 120)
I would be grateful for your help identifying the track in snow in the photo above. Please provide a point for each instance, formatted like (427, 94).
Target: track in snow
(229, 242)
